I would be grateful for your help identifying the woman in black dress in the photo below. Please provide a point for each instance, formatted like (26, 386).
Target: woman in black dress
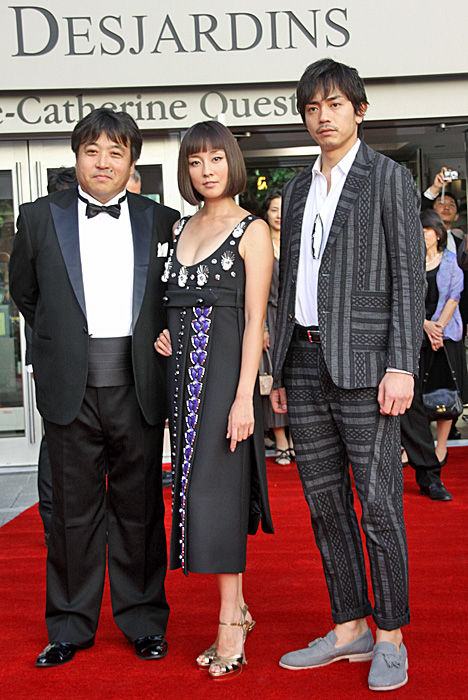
(443, 324)
(278, 422)
(218, 276)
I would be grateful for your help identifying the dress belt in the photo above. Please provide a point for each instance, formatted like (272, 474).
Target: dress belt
(110, 362)
(311, 333)
(204, 297)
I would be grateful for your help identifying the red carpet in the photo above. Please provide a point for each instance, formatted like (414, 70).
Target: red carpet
(286, 592)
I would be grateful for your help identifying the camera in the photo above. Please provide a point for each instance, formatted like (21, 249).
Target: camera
(450, 175)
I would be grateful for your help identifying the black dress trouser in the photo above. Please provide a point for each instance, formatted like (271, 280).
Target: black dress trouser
(108, 440)
(416, 438)
(44, 486)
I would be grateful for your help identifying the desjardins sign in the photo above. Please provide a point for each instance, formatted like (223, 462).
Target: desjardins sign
(234, 31)
(115, 44)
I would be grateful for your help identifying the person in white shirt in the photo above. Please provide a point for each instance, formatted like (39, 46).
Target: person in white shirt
(446, 205)
(349, 329)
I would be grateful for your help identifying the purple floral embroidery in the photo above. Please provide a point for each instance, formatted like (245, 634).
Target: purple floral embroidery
(200, 326)
(198, 356)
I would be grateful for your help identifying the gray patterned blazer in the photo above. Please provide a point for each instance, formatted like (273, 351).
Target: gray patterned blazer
(371, 286)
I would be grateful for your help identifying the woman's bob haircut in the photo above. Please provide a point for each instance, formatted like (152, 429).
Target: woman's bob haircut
(431, 219)
(210, 136)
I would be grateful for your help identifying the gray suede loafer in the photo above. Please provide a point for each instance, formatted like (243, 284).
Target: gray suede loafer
(389, 669)
(322, 651)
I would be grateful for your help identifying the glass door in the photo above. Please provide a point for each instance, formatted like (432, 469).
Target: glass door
(25, 168)
(46, 156)
(20, 424)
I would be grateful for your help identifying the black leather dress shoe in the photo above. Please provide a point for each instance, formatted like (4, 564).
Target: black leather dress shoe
(436, 492)
(166, 478)
(152, 647)
(56, 654)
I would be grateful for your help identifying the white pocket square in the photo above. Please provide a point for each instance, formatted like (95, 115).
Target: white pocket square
(163, 250)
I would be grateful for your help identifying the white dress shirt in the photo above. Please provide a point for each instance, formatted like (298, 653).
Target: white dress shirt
(319, 202)
(106, 248)
(451, 245)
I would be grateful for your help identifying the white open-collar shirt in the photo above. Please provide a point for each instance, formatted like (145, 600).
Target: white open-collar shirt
(323, 203)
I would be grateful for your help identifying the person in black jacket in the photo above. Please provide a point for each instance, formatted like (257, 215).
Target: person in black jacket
(85, 272)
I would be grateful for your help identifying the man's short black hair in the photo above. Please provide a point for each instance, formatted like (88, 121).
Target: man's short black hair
(118, 126)
(62, 179)
(452, 196)
(326, 74)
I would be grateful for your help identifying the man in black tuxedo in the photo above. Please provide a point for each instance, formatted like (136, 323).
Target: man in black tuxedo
(85, 272)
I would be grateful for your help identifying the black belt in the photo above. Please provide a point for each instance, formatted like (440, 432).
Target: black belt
(311, 333)
(205, 297)
(110, 362)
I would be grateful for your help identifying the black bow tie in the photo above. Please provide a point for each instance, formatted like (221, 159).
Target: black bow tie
(93, 210)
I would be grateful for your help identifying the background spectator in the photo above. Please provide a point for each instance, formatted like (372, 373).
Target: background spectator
(271, 212)
(443, 323)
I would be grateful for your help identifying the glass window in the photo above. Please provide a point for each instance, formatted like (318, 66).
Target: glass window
(11, 382)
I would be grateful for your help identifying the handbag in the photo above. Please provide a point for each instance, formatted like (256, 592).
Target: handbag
(443, 403)
(266, 378)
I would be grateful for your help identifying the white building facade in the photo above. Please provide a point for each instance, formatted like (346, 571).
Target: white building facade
(170, 66)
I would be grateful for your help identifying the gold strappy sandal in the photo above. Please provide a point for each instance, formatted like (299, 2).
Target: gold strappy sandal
(231, 666)
(204, 660)
(249, 626)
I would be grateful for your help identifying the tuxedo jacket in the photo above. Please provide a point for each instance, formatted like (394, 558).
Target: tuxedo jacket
(47, 285)
(371, 284)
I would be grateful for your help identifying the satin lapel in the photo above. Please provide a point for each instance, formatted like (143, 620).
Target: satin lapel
(297, 207)
(142, 232)
(66, 227)
(359, 171)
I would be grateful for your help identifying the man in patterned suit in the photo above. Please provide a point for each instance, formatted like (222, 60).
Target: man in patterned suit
(349, 329)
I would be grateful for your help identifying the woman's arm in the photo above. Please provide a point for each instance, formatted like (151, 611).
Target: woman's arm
(257, 250)
(450, 285)
(435, 329)
(434, 332)
(447, 312)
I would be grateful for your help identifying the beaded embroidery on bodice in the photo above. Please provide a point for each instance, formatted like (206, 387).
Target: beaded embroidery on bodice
(210, 269)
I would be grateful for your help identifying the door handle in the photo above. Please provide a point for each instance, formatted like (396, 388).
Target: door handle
(19, 183)
(31, 421)
(39, 191)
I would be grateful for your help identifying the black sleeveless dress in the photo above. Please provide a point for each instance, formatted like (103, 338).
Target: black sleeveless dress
(218, 496)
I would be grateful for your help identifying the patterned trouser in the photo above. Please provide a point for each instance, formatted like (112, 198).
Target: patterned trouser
(332, 428)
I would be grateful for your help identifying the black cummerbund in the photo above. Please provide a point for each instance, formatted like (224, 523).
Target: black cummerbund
(110, 362)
